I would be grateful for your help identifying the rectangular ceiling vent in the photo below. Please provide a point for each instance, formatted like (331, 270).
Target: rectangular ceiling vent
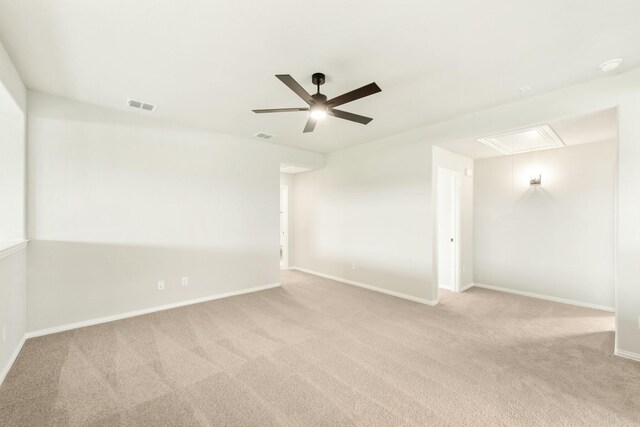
(524, 140)
(142, 105)
(263, 135)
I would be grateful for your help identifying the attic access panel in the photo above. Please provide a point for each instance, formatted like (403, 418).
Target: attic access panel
(536, 138)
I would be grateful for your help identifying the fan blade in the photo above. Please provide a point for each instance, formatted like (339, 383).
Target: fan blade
(295, 86)
(367, 90)
(350, 116)
(310, 126)
(280, 110)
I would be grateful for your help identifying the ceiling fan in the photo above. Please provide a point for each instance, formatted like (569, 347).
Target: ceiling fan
(319, 107)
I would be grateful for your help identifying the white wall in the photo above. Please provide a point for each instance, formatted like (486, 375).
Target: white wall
(13, 306)
(374, 208)
(371, 208)
(12, 170)
(557, 239)
(118, 201)
(13, 267)
(360, 184)
(287, 179)
(11, 81)
(455, 162)
(628, 226)
(12, 151)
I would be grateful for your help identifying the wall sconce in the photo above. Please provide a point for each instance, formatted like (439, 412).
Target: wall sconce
(535, 179)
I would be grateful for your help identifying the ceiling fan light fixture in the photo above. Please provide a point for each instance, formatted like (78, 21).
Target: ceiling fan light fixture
(319, 106)
(318, 112)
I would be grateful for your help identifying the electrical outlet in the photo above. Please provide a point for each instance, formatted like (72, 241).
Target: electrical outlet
(185, 281)
(464, 269)
(4, 333)
(160, 285)
(353, 265)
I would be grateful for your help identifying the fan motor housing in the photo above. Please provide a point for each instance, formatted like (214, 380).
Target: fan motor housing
(318, 97)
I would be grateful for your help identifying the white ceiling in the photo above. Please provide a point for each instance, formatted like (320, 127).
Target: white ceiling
(208, 63)
(592, 127)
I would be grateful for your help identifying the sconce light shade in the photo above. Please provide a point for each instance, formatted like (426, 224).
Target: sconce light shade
(535, 179)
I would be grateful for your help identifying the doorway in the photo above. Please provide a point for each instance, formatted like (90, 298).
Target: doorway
(448, 228)
(284, 227)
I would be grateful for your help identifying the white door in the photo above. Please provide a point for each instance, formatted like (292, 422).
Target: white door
(448, 220)
(284, 227)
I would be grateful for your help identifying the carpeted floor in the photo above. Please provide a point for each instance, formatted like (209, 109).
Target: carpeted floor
(317, 352)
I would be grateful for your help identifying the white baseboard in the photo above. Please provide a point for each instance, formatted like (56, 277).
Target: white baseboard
(469, 286)
(462, 289)
(545, 297)
(12, 359)
(365, 286)
(134, 313)
(627, 354)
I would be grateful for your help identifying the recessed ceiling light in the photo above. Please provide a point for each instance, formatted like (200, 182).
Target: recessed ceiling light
(610, 65)
(524, 89)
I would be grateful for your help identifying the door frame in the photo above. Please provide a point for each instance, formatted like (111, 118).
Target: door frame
(284, 205)
(456, 220)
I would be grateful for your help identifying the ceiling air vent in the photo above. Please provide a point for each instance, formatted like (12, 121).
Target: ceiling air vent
(524, 140)
(263, 135)
(139, 104)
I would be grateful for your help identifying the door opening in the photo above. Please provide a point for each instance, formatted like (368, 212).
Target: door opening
(448, 229)
(284, 227)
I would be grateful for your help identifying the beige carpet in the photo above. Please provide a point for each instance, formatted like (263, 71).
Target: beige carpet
(317, 352)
